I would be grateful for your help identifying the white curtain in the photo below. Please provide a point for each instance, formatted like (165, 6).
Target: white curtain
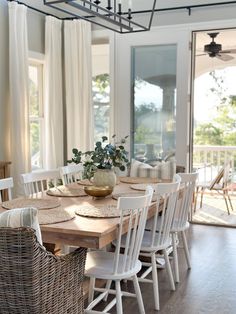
(19, 94)
(78, 77)
(53, 94)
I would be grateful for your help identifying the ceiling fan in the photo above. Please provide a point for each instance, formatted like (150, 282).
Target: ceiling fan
(214, 50)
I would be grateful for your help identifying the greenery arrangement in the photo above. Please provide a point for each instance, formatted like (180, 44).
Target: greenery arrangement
(104, 156)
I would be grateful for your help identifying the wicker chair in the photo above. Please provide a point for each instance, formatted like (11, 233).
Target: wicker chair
(35, 281)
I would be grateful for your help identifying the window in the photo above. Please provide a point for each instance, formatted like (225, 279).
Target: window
(154, 102)
(36, 114)
(101, 90)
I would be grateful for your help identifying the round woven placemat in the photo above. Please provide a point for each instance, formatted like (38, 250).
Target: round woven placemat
(137, 180)
(55, 215)
(142, 187)
(132, 194)
(85, 182)
(67, 191)
(38, 203)
(99, 211)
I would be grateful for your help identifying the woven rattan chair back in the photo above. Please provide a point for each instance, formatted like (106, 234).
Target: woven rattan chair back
(35, 281)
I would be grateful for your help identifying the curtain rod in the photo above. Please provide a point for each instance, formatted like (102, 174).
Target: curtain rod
(187, 7)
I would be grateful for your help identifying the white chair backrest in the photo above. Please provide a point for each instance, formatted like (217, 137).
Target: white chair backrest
(71, 173)
(138, 208)
(185, 200)
(167, 194)
(6, 184)
(36, 182)
(176, 178)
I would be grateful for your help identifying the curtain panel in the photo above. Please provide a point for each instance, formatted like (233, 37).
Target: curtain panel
(54, 156)
(19, 93)
(78, 81)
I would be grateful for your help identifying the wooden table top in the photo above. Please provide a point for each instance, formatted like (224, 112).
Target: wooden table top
(84, 231)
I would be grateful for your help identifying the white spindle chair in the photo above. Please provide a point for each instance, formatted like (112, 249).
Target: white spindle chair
(180, 220)
(6, 184)
(38, 181)
(71, 173)
(158, 238)
(116, 266)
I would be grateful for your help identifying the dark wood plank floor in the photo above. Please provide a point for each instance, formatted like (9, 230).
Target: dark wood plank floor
(209, 287)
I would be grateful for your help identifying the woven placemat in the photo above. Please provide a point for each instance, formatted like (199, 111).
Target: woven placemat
(99, 211)
(38, 203)
(132, 194)
(67, 191)
(55, 215)
(85, 182)
(137, 180)
(142, 187)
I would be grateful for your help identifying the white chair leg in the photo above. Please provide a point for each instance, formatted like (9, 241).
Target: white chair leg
(155, 283)
(138, 294)
(186, 251)
(119, 308)
(91, 289)
(169, 271)
(175, 257)
(108, 285)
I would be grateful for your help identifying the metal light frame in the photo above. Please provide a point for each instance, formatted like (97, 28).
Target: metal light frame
(115, 20)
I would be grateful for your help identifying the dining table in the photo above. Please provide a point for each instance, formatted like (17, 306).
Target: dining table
(84, 231)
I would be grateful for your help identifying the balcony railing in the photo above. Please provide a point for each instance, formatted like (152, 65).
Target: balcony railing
(209, 159)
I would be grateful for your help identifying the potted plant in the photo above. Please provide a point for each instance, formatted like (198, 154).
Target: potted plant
(100, 162)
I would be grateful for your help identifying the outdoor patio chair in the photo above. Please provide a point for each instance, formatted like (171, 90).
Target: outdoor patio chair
(219, 184)
(35, 281)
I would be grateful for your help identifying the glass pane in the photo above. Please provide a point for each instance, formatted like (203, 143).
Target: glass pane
(101, 103)
(33, 91)
(35, 131)
(154, 105)
(101, 90)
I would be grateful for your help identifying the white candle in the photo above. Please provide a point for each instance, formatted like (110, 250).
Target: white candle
(120, 2)
(130, 4)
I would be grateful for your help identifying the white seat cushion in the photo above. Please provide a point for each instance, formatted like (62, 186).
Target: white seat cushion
(99, 264)
(22, 217)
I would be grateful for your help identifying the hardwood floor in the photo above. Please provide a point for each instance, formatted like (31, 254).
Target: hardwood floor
(209, 287)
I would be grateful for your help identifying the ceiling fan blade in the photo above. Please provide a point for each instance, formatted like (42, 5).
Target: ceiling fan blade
(202, 54)
(224, 57)
(228, 51)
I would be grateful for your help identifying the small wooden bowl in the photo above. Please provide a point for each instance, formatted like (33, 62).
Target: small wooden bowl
(98, 191)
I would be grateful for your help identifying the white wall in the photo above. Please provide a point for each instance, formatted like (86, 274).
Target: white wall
(36, 43)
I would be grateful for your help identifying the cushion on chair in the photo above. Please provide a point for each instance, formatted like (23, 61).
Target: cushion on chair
(22, 217)
(161, 170)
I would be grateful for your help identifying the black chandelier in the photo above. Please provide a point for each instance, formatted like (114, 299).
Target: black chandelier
(116, 15)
